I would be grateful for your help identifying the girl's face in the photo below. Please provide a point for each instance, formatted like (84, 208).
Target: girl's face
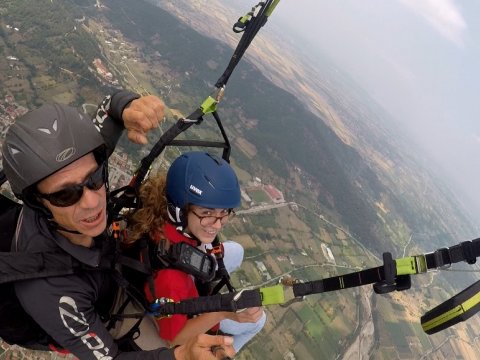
(205, 223)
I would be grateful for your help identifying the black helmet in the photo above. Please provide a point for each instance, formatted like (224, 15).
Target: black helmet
(201, 179)
(45, 140)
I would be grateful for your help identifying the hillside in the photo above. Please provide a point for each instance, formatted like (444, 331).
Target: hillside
(349, 182)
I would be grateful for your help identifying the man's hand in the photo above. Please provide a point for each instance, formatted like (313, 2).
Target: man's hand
(206, 347)
(142, 115)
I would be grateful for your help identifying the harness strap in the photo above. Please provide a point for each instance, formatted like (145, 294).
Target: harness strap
(222, 272)
(231, 302)
(456, 309)
(249, 24)
(394, 270)
(364, 277)
(24, 266)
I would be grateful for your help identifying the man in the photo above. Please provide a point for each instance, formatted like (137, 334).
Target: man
(56, 162)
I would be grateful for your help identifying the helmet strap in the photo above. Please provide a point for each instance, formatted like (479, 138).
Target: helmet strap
(31, 200)
(54, 226)
(176, 215)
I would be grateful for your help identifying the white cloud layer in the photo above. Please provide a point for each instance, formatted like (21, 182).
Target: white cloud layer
(443, 15)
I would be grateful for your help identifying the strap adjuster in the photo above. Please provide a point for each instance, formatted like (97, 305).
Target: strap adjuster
(217, 251)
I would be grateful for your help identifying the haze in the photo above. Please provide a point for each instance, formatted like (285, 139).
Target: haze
(419, 60)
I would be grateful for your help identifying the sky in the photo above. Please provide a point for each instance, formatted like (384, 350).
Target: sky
(419, 59)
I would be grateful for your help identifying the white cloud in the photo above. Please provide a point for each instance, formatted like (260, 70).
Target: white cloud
(443, 15)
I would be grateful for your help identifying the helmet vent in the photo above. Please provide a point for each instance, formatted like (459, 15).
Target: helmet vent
(13, 150)
(47, 131)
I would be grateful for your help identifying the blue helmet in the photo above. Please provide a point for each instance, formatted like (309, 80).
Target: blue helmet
(201, 179)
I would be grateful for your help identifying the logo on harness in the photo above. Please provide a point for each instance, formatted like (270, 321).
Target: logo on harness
(75, 321)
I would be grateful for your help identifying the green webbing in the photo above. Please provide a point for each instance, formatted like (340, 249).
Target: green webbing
(452, 313)
(272, 6)
(272, 295)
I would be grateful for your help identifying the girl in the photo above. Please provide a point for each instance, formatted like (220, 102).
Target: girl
(192, 205)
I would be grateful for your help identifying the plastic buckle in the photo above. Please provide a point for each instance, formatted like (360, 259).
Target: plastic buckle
(389, 270)
(163, 246)
(403, 282)
(217, 251)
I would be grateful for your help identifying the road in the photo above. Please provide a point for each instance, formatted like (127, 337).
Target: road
(259, 208)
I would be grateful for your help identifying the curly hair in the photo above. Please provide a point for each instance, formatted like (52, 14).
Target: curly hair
(153, 213)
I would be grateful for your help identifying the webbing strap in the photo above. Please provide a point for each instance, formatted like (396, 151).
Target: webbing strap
(364, 277)
(466, 251)
(250, 24)
(23, 266)
(223, 302)
(456, 309)
(214, 303)
(175, 130)
(222, 272)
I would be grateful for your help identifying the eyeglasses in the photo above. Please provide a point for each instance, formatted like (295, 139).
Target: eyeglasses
(209, 220)
(70, 195)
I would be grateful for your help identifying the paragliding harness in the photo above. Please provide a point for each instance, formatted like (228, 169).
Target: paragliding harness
(207, 268)
(126, 198)
(16, 326)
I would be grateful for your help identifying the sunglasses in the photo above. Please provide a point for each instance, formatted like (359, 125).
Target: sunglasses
(70, 195)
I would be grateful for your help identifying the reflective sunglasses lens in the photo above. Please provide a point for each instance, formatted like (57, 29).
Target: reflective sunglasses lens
(97, 179)
(72, 194)
(67, 196)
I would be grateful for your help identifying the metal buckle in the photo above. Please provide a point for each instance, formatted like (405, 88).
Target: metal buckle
(421, 263)
(156, 305)
(288, 282)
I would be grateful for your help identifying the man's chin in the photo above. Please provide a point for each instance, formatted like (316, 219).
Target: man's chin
(94, 229)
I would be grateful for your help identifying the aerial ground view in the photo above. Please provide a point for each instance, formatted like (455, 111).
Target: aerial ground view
(329, 180)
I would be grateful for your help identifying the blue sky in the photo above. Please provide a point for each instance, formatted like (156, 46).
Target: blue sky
(420, 59)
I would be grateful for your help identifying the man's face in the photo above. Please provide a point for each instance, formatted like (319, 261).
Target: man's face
(88, 216)
(205, 223)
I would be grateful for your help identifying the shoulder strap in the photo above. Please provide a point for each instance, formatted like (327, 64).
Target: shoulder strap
(222, 273)
(16, 266)
(24, 266)
(21, 266)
